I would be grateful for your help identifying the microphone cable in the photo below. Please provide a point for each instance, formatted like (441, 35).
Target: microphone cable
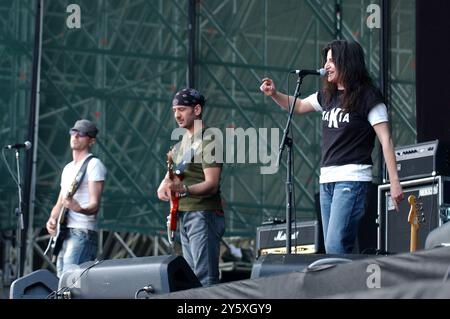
(65, 291)
(9, 168)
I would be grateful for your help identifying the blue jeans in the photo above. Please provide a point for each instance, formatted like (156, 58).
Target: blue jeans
(342, 207)
(79, 246)
(201, 232)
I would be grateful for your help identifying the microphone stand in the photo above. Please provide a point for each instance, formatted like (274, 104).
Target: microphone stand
(19, 216)
(286, 141)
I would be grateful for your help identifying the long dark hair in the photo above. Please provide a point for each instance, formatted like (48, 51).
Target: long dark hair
(348, 57)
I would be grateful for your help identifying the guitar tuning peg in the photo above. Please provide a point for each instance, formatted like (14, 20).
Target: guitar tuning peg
(422, 217)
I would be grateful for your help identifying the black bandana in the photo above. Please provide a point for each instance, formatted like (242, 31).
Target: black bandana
(188, 97)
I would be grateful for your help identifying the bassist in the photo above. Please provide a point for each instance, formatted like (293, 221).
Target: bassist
(80, 240)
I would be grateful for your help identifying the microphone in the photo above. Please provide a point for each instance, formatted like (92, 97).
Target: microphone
(26, 145)
(320, 72)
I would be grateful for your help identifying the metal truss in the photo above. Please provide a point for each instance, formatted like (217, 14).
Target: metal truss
(119, 69)
(16, 52)
(268, 38)
(16, 49)
(120, 65)
(235, 54)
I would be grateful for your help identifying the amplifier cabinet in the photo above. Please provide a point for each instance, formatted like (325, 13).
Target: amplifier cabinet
(421, 160)
(271, 239)
(394, 230)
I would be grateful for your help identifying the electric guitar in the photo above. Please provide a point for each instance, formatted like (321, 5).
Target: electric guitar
(174, 200)
(176, 174)
(61, 228)
(414, 220)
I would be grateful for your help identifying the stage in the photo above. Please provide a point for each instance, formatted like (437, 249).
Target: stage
(419, 275)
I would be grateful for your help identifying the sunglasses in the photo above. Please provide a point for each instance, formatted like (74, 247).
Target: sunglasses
(79, 133)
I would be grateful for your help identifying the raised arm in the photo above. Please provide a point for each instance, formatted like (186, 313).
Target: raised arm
(283, 100)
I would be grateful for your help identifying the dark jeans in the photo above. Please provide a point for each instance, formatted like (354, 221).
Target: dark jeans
(201, 232)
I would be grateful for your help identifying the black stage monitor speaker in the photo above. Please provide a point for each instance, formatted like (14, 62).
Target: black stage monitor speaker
(275, 264)
(128, 278)
(394, 232)
(438, 237)
(37, 285)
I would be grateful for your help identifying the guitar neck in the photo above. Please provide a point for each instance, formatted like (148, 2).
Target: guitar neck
(62, 215)
(414, 221)
(413, 241)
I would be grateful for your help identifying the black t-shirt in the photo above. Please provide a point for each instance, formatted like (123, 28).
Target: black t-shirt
(348, 138)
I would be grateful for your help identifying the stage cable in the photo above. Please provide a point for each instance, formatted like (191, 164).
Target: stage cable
(64, 292)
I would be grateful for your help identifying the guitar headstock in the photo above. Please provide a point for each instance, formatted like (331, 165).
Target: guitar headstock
(415, 216)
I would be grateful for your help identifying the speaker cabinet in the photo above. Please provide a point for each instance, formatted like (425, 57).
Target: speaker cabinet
(128, 278)
(394, 231)
(37, 285)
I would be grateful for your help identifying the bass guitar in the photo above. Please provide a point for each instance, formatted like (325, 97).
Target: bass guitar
(61, 228)
(57, 241)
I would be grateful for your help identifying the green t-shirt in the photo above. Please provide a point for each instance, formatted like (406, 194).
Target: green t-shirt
(200, 154)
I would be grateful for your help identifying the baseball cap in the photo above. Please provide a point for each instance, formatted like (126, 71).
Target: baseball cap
(85, 126)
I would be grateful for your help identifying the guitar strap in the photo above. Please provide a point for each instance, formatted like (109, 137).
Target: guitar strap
(188, 156)
(80, 175)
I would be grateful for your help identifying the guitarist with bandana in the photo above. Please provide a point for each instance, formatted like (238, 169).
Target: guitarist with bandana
(200, 213)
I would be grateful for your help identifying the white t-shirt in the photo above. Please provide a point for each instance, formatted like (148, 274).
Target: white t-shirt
(95, 171)
(351, 172)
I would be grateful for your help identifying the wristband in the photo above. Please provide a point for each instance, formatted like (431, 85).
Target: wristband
(185, 191)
